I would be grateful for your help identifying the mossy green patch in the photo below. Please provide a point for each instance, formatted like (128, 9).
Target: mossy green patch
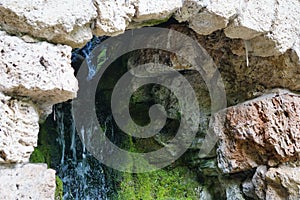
(59, 189)
(41, 154)
(164, 184)
(37, 156)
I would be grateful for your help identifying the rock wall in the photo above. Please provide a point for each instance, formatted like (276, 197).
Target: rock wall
(255, 45)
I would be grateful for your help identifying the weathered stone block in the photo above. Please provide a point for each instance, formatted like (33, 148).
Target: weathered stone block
(18, 130)
(64, 21)
(263, 131)
(39, 71)
(28, 181)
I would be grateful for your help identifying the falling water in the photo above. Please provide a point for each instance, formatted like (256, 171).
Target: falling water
(83, 176)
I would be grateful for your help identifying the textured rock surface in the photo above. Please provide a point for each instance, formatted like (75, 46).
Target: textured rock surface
(74, 22)
(113, 17)
(66, 22)
(40, 71)
(28, 181)
(274, 183)
(155, 10)
(255, 187)
(264, 131)
(283, 183)
(276, 20)
(206, 17)
(18, 130)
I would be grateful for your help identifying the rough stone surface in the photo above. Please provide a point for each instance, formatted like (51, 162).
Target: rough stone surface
(27, 181)
(113, 16)
(279, 183)
(253, 18)
(264, 131)
(40, 71)
(255, 187)
(233, 191)
(283, 183)
(155, 10)
(276, 20)
(18, 130)
(66, 22)
(206, 17)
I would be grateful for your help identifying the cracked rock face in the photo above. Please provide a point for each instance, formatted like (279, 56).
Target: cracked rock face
(18, 130)
(40, 71)
(263, 131)
(27, 181)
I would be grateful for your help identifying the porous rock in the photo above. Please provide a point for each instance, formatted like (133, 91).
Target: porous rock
(18, 130)
(27, 181)
(40, 71)
(263, 131)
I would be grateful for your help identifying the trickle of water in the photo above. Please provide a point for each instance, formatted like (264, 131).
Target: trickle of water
(82, 175)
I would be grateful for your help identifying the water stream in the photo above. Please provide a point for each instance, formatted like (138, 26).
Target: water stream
(83, 176)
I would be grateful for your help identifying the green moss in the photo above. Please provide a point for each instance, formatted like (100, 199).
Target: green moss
(41, 154)
(163, 184)
(59, 189)
(37, 156)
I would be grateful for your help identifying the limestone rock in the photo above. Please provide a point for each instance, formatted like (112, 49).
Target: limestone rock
(65, 22)
(276, 21)
(18, 130)
(253, 18)
(283, 183)
(155, 10)
(28, 181)
(40, 71)
(206, 17)
(113, 17)
(233, 190)
(263, 131)
(256, 186)
(279, 183)
(286, 27)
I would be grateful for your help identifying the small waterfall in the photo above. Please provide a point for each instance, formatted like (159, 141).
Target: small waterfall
(83, 176)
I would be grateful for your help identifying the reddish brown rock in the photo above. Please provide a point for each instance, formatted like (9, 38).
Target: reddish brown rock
(263, 131)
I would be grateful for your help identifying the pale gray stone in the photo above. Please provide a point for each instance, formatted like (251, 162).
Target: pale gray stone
(27, 181)
(18, 130)
(40, 71)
